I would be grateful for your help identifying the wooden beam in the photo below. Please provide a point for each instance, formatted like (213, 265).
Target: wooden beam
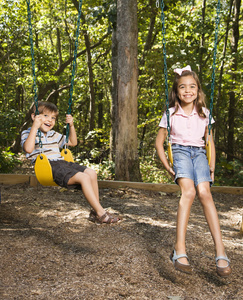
(11, 179)
(167, 188)
(161, 187)
(158, 187)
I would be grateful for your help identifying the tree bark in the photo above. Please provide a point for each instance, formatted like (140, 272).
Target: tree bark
(114, 104)
(126, 156)
(59, 47)
(91, 79)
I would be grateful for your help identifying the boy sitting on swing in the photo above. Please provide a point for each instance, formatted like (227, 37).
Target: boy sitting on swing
(65, 174)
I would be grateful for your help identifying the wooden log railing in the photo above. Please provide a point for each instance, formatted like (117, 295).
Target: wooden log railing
(12, 179)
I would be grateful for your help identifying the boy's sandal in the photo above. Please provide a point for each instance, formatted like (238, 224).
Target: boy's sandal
(92, 216)
(185, 268)
(107, 218)
(223, 271)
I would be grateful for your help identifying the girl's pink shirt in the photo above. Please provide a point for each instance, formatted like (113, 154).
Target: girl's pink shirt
(186, 130)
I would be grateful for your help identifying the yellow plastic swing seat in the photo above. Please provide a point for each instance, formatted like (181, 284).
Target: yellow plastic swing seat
(43, 170)
(208, 151)
(207, 147)
(169, 149)
(67, 154)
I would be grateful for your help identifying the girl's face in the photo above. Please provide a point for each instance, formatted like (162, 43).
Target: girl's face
(187, 89)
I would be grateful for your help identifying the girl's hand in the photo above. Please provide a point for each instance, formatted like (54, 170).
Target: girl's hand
(172, 173)
(212, 174)
(69, 120)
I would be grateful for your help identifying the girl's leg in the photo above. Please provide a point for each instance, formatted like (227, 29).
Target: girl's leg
(188, 194)
(206, 199)
(89, 188)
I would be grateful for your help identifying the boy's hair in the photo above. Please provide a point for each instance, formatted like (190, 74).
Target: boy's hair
(44, 105)
(175, 101)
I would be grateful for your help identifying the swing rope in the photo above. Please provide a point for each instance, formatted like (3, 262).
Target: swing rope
(43, 168)
(74, 67)
(214, 65)
(33, 68)
(208, 147)
(165, 65)
(69, 110)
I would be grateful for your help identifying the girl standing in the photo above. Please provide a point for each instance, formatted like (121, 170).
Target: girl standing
(188, 121)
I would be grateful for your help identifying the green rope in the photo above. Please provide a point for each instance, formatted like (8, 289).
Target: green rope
(33, 67)
(73, 68)
(214, 66)
(165, 66)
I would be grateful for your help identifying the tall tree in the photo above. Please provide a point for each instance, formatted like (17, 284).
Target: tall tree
(126, 156)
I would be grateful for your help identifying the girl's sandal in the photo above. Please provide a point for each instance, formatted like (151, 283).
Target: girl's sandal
(185, 268)
(223, 271)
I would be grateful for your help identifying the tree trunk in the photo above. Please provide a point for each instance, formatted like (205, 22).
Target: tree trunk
(91, 79)
(126, 157)
(232, 105)
(59, 47)
(114, 104)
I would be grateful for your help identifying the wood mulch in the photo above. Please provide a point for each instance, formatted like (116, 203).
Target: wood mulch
(49, 250)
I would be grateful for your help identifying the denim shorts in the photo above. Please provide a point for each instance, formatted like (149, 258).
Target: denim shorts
(62, 171)
(191, 162)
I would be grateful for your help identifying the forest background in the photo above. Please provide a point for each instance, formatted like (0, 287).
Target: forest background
(190, 29)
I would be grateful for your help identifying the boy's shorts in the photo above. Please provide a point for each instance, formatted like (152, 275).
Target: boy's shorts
(63, 170)
(191, 162)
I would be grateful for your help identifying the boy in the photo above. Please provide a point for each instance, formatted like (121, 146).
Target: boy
(65, 174)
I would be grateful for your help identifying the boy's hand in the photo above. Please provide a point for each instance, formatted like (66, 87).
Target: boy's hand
(38, 121)
(69, 120)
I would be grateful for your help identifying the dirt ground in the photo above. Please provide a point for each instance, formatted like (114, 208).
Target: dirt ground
(49, 250)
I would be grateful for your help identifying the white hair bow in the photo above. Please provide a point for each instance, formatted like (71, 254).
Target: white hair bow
(179, 71)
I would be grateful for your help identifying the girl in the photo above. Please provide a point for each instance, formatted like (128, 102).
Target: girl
(188, 121)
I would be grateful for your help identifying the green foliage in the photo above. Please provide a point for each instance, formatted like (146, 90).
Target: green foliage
(105, 170)
(229, 173)
(152, 173)
(184, 31)
(8, 161)
(9, 124)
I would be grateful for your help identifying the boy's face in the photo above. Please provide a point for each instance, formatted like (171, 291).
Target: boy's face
(48, 120)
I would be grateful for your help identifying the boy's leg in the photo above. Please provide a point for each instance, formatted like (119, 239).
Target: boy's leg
(89, 190)
(206, 199)
(183, 213)
(93, 177)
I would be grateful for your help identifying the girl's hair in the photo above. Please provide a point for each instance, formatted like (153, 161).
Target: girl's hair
(175, 101)
(44, 105)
